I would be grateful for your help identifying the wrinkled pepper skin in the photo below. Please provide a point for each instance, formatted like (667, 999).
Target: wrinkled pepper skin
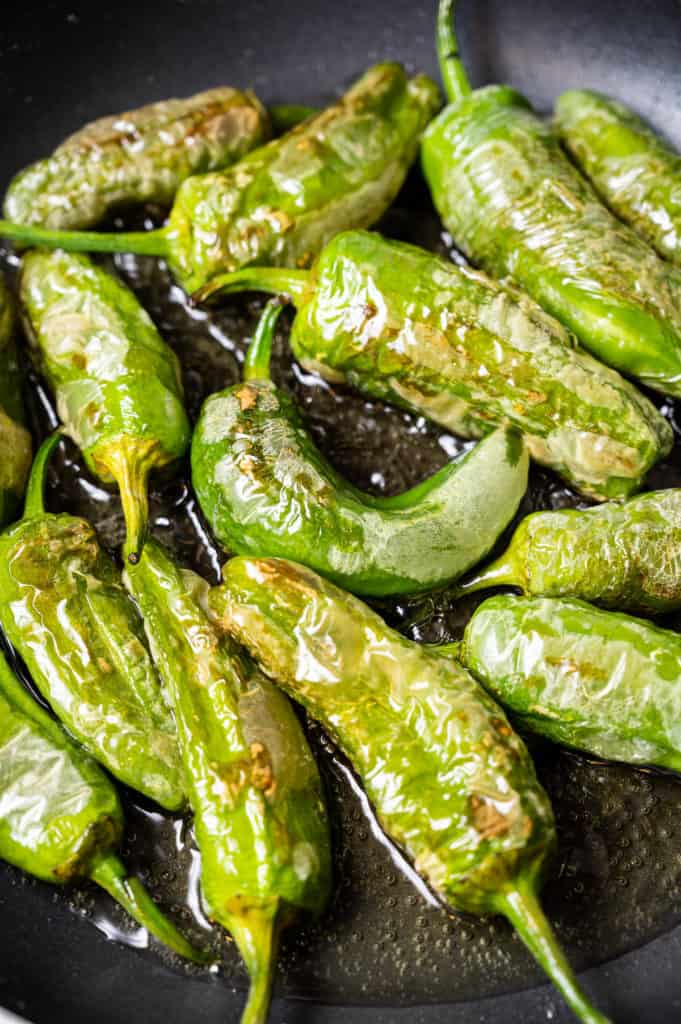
(405, 326)
(253, 785)
(15, 440)
(140, 156)
(599, 681)
(626, 557)
(117, 383)
(634, 172)
(266, 489)
(65, 610)
(450, 781)
(517, 207)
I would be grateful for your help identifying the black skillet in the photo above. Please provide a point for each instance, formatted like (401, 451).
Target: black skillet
(62, 63)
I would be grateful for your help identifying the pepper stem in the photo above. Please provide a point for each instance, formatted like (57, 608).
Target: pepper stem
(257, 365)
(256, 934)
(35, 491)
(276, 280)
(129, 461)
(500, 573)
(109, 872)
(521, 906)
(144, 243)
(453, 73)
(285, 116)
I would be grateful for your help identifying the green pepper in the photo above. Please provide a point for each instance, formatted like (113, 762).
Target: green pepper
(15, 440)
(450, 781)
(60, 817)
(139, 156)
(253, 785)
(266, 489)
(65, 610)
(634, 172)
(282, 202)
(626, 556)
(517, 206)
(117, 383)
(600, 681)
(405, 326)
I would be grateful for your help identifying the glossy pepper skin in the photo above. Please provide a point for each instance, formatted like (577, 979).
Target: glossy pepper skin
(279, 205)
(139, 156)
(450, 781)
(60, 817)
(253, 785)
(117, 383)
(65, 610)
(634, 172)
(600, 681)
(266, 489)
(405, 326)
(15, 440)
(626, 557)
(517, 207)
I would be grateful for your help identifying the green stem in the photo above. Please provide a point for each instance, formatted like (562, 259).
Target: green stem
(110, 873)
(453, 73)
(129, 461)
(35, 492)
(145, 243)
(276, 280)
(285, 116)
(257, 934)
(522, 908)
(500, 573)
(257, 365)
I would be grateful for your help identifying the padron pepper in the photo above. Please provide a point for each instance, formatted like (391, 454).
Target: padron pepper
(139, 156)
(65, 610)
(626, 557)
(117, 383)
(60, 816)
(280, 204)
(253, 785)
(15, 440)
(599, 681)
(517, 206)
(266, 489)
(634, 172)
(406, 326)
(451, 782)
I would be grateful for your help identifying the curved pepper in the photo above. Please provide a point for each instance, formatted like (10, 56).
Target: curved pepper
(450, 781)
(281, 203)
(634, 172)
(65, 610)
(405, 326)
(15, 440)
(266, 489)
(140, 156)
(599, 681)
(516, 206)
(60, 817)
(117, 383)
(253, 784)
(626, 557)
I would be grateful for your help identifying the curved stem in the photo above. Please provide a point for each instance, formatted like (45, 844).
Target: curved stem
(285, 116)
(257, 365)
(500, 573)
(35, 491)
(454, 77)
(277, 280)
(145, 243)
(129, 461)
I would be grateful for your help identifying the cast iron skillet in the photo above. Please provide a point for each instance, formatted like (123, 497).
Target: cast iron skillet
(64, 63)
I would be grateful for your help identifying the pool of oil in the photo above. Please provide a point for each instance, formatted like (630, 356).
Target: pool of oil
(616, 881)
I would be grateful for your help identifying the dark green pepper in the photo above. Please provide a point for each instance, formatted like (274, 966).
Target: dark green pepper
(599, 681)
(15, 440)
(635, 173)
(139, 156)
(626, 556)
(66, 611)
(253, 785)
(266, 489)
(517, 206)
(117, 383)
(450, 781)
(283, 202)
(404, 325)
(60, 817)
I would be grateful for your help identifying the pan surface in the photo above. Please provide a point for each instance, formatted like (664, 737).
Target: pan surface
(383, 953)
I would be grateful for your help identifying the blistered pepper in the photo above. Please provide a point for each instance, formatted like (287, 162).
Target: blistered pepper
(15, 440)
(266, 489)
(404, 325)
(65, 610)
(450, 781)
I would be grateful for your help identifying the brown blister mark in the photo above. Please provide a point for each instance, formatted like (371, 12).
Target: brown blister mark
(487, 819)
(247, 397)
(247, 465)
(78, 361)
(502, 727)
(262, 774)
(103, 665)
